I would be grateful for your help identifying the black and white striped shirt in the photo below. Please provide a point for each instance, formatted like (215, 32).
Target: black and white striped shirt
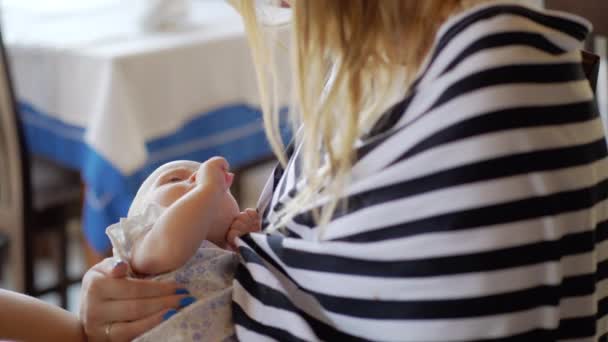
(477, 207)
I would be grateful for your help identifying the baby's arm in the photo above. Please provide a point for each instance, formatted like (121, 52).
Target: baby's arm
(180, 230)
(25, 318)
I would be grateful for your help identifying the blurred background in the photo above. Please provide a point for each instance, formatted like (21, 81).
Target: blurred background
(104, 91)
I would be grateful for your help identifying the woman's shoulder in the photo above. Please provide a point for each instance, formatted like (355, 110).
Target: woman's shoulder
(501, 34)
(498, 70)
(490, 45)
(486, 20)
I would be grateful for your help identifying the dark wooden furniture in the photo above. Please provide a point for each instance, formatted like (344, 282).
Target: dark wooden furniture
(3, 252)
(595, 11)
(591, 67)
(37, 199)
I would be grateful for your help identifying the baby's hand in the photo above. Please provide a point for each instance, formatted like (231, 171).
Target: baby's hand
(245, 222)
(214, 173)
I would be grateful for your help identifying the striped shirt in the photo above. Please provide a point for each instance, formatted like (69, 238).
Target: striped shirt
(476, 210)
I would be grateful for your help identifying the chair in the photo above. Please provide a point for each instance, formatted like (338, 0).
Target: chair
(36, 197)
(595, 11)
(3, 251)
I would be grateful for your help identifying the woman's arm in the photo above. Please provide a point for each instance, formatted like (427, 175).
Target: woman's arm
(25, 318)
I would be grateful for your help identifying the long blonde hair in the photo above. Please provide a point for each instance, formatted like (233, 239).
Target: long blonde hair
(346, 56)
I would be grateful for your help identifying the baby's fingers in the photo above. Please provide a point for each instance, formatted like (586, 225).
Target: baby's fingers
(254, 219)
(240, 226)
(231, 237)
(242, 218)
(243, 225)
(252, 214)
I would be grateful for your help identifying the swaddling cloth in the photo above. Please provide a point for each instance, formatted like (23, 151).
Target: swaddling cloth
(207, 275)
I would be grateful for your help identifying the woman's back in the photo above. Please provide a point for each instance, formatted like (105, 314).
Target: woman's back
(477, 208)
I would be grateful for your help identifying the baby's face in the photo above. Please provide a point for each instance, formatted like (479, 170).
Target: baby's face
(174, 183)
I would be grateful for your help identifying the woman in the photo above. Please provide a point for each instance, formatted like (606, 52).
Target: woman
(472, 209)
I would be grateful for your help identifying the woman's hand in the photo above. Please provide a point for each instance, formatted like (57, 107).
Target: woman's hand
(247, 221)
(114, 308)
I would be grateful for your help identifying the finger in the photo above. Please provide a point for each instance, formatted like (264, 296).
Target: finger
(253, 225)
(132, 310)
(255, 217)
(246, 225)
(230, 235)
(233, 234)
(119, 269)
(241, 226)
(253, 214)
(246, 220)
(235, 243)
(107, 267)
(111, 288)
(127, 331)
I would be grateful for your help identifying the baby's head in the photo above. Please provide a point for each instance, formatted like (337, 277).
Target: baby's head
(173, 181)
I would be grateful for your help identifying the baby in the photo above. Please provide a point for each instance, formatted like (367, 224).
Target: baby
(181, 226)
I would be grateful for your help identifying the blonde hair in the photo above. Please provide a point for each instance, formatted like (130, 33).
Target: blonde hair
(346, 56)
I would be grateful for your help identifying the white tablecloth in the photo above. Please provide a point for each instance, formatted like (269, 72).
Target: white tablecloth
(93, 69)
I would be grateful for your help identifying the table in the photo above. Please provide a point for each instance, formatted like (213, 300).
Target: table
(100, 96)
